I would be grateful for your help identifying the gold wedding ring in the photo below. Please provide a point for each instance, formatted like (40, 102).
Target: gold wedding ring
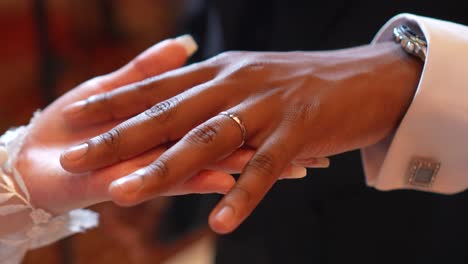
(238, 122)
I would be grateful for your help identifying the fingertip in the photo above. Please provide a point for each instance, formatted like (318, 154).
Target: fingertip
(188, 43)
(166, 55)
(296, 172)
(64, 164)
(120, 197)
(70, 158)
(324, 162)
(221, 220)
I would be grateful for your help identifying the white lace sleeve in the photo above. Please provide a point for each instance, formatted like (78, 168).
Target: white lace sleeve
(43, 228)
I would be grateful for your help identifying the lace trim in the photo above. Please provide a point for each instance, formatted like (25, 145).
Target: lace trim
(10, 145)
(45, 228)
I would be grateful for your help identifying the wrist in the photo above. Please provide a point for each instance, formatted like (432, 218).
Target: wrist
(405, 73)
(26, 226)
(375, 84)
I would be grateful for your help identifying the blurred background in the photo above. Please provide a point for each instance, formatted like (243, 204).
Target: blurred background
(49, 46)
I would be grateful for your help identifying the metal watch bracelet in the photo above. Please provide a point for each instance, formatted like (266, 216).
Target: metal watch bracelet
(411, 42)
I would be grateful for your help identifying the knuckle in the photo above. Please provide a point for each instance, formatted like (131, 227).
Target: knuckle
(302, 113)
(226, 56)
(308, 111)
(159, 168)
(245, 67)
(252, 65)
(105, 99)
(204, 134)
(104, 105)
(149, 85)
(144, 90)
(102, 100)
(111, 139)
(163, 112)
(263, 163)
(139, 65)
(96, 83)
(99, 98)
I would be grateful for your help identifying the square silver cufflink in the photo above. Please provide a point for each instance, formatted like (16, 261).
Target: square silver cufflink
(422, 172)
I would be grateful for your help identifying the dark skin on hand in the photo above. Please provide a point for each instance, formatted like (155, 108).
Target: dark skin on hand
(297, 109)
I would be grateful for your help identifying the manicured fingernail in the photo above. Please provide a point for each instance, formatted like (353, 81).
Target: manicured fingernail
(225, 216)
(298, 172)
(76, 152)
(131, 183)
(322, 163)
(75, 108)
(188, 43)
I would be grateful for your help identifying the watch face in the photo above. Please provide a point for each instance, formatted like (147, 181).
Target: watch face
(410, 33)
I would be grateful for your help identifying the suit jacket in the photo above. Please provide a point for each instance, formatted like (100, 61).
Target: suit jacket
(332, 216)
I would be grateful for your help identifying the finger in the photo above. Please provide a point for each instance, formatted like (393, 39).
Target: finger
(203, 145)
(96, 185)
(205, 181)
(162, 57)
(312, 162)
(166, 121)
(258, 177)
(293, 172)
(136, 97)
(236, 162)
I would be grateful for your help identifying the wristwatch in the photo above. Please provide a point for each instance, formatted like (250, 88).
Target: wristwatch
(411, 42)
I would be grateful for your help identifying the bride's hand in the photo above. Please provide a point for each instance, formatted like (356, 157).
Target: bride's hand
(56, 190)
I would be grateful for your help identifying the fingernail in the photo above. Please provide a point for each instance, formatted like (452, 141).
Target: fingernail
(298, 172)
(75, 108)
(189, 44)
(131, 183)
(225, 216)
(322, 163)
(76, 152)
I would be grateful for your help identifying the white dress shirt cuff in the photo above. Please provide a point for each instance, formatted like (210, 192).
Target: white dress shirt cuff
(435, 126)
